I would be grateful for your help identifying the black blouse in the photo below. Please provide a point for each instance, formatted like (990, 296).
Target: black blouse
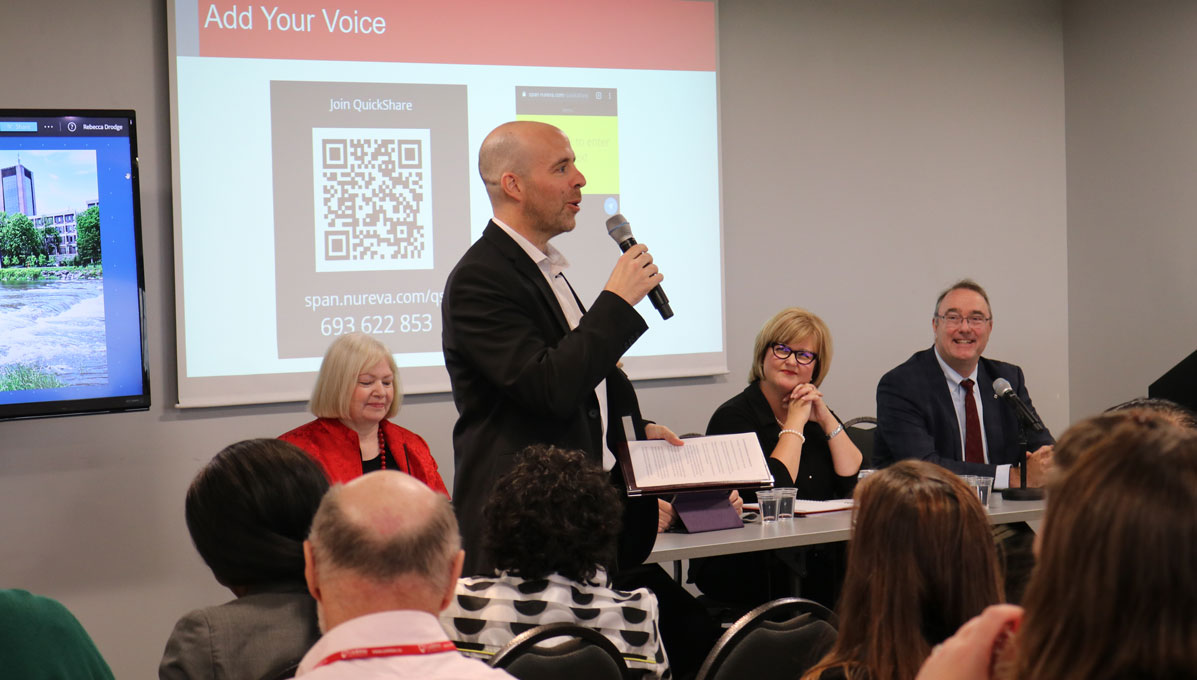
(749, 411)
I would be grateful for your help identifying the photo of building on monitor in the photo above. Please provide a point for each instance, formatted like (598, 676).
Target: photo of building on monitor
(53, 288)
(72, 319)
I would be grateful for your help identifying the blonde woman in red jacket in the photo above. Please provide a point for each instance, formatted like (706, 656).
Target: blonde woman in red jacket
(356, 394)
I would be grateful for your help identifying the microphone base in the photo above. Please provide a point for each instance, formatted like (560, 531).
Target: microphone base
(1022, 494)
(665, 311)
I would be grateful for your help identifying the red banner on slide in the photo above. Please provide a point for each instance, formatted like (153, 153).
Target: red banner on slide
(627, 34)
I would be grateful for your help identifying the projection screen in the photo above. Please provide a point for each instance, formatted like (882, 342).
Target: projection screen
(325, 174)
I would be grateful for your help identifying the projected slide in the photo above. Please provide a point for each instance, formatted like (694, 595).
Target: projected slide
(326, 173)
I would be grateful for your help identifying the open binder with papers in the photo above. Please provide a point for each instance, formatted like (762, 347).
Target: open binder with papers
(718, 462)
(701, 474)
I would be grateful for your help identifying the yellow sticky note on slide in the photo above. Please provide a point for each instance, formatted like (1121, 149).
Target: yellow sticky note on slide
(595, 140)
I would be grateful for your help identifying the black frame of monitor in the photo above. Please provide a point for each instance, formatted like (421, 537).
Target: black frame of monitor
(113, 403)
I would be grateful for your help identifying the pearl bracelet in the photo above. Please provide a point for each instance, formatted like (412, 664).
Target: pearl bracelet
(789, 431)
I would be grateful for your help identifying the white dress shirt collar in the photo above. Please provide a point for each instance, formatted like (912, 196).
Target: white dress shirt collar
(552, 262)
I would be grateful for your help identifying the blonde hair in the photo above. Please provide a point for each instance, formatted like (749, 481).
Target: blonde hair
(790, 325)
(347, 357)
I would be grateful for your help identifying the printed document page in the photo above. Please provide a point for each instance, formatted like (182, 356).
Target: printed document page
(718, 459)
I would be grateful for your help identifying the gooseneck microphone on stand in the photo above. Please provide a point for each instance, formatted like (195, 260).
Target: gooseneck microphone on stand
(619, 229)
(1027, 421)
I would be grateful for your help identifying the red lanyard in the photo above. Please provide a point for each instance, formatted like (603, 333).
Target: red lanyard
(393, 650)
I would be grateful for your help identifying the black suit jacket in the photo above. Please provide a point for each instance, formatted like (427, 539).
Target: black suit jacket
(520, 376)
(916, 418)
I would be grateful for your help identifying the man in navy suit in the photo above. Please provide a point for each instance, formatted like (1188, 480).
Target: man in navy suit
(528, 364)
(924, 405)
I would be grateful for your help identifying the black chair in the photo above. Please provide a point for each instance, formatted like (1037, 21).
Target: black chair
(789, 634)
(862, 437)
(586, 655)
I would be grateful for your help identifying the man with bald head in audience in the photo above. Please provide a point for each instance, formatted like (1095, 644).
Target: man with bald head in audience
(382, 561)
(528, 364)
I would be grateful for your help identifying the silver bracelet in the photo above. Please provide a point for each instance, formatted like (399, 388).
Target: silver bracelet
(836, 431)
(789, 431)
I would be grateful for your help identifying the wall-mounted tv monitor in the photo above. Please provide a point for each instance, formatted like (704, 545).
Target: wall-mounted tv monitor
(72, 321)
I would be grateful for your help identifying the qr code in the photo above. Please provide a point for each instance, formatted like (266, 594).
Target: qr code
(373, 199)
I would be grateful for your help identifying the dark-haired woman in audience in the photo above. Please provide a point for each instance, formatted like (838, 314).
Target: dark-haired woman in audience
(249, 511)
(1113, 594)
(921, 562)
(551, 528)
(806, 448)
(356, 394)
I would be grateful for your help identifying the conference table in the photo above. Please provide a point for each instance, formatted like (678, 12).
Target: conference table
(827, 527)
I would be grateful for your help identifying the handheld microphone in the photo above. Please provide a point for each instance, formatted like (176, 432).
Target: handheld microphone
(1003, 389)
(619, 229)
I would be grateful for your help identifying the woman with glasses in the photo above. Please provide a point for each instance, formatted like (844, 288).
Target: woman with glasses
(803, 439)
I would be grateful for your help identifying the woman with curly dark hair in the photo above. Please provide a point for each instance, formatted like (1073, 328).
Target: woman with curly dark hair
(551, 526)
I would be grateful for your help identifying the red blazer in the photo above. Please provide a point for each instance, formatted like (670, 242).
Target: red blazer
(337, 449)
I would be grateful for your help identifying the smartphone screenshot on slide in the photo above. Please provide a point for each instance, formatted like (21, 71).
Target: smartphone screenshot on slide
(589, 117)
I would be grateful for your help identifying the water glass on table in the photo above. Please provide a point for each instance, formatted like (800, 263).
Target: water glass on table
(768, 500)
(785, 502)
(981, 485)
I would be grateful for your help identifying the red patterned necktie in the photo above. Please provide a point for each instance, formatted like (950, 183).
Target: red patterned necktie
(974, 451)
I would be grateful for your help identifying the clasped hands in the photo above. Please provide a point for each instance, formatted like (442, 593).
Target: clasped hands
(805, 403)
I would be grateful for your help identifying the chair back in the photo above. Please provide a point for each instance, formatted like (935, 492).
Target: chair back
(585, 655)
(860, 431)
(790, 633)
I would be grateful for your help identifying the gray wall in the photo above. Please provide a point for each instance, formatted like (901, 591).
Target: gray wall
(873, 152)
(1132, 169)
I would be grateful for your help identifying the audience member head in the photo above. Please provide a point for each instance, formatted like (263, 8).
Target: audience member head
(249, 510)
(348, 359)
(554, 512)
(1086, 435)
(382, 542)
(792, 326)
(921, 562)
(1113, 594)
(1179, 415)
